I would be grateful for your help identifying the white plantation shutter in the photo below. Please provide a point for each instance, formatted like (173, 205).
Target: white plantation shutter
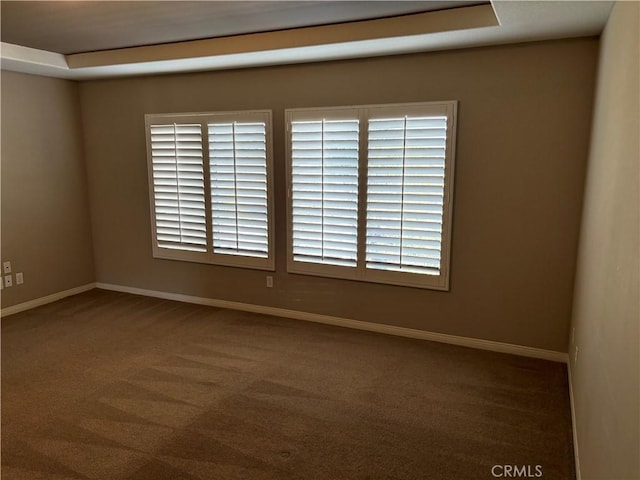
(238, 166)
(178, 187)
(381, 213)
(405, 193)
(324, 191)
(210, 187)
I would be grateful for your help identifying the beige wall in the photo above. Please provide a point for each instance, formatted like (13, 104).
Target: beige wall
(606, 316)
(524, 119)
(45, 213)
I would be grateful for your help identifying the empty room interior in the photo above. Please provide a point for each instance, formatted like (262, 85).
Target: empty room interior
(320, 240)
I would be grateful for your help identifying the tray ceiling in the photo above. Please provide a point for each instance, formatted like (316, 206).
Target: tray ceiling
(97, 39)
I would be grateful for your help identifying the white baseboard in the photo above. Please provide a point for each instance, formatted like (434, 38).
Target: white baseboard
(574, 427)
(349, 323)
(21, 307)
(306, 316)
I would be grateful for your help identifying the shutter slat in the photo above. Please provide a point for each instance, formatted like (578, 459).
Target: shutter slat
(238, 166)
(178, 186)
(316, 257)
(324, 178)
(405, 194)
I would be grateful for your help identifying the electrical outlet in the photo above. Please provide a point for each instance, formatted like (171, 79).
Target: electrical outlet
(8, 281)
(269, 281)
(6, 267)
(19, 278)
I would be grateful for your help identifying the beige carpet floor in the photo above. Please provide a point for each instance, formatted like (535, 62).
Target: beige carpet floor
(113, 386)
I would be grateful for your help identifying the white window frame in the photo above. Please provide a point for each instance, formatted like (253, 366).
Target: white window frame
(361, 273)
(209, 257)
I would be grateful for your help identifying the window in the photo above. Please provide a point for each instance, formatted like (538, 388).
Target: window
(369, 192)
(210, 187)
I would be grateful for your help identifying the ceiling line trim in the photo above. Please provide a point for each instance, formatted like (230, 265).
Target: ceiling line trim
(18, 53)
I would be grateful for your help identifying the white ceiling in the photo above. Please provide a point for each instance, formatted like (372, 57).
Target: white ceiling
(95, 39)
(77, 27)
